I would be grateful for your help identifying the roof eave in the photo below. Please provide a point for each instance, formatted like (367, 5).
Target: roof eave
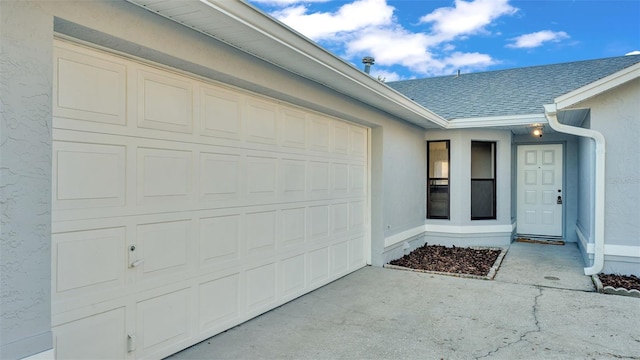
(497, 121)
(274, 42)
(597, 87)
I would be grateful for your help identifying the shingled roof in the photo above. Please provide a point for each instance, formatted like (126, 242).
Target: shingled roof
(520, 91)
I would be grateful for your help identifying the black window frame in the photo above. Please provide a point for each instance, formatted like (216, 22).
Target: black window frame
(432, 182)
(493, 180)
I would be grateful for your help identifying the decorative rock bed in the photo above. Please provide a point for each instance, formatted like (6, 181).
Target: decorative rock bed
(617, 284)
(473, 262)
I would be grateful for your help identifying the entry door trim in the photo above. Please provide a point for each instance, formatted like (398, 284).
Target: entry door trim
(544, 217)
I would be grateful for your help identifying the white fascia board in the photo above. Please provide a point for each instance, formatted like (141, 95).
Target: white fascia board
(493, 121)
(597, 87)
(338, 71)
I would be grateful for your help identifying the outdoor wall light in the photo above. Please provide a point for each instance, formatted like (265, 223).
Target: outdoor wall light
(538, 131)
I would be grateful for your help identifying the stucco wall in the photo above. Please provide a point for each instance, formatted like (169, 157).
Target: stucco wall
(397, 162)
(586, 185)
(405, 171)
(616, 114)
(25, 179)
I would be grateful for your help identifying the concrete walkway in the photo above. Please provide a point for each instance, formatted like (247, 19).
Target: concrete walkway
(378, 313)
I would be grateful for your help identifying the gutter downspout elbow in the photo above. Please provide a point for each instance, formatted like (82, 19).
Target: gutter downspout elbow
(598, 256)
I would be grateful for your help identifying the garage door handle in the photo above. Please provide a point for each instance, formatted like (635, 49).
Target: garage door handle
(136, 263)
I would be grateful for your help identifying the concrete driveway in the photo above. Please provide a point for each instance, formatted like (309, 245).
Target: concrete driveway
(378, 313)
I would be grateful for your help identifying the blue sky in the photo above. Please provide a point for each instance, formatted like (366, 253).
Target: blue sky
(424, 38)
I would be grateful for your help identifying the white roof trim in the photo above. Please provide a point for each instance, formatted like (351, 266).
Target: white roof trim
(258, 28)
(598, 87)
(493, 121)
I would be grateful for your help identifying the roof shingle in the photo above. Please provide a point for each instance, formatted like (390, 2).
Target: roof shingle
(519, 91)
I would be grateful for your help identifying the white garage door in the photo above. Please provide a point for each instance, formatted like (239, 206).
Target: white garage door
(182, 207)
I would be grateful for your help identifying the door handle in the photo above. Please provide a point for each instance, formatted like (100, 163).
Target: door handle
(559, 200)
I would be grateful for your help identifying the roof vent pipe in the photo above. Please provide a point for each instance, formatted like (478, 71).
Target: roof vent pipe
(368, 61)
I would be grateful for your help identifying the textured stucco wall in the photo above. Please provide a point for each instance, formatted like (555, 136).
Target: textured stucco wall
(405, 159)
(26, 35)
(586, 184)
(616, 114)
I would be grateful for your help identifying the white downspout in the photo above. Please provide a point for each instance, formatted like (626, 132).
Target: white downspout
(598, 256)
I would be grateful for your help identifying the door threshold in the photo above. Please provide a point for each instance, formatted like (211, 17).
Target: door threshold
(540, 239)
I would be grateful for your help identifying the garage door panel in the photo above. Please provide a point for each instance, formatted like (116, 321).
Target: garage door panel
(162, 321)
(219, 239)
(220, 113)
(164, 176)
(293, 129)
(101, 336)
(262, 122)
(292, 276)
(162, 248)
(220, 178)
(88, 87)
(261, 178)
(218, 302)
(318, 222)
(357, 142)
(293, 176)
(340, 218)
(340, 179)
(318, 266)
(339, 259)
(356, 216)
(87, 262)
(318, 180)
(356, 252)
(261, 232)
(164, 103)
(88, 175)
(211, 205)
(260, 288)
(339, 138)
(319, 134)
(357, 180)
(292, 227)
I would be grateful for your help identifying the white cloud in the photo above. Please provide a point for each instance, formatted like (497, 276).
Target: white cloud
(470, 60)
(348, 18)
(466, 17)
(286, 2)
(636, 52)
(386, 76)
(536, 39)
(369, 28)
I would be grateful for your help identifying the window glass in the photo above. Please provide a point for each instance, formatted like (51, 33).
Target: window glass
(438, 179)
(483, 180)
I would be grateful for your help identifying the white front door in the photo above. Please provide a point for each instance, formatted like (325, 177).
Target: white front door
(540, 194)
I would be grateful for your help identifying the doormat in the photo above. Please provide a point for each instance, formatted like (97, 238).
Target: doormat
(540, 241)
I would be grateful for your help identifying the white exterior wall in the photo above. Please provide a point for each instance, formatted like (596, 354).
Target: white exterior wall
(478, 232)
(397, 149)
(25, 180)
(616, 114)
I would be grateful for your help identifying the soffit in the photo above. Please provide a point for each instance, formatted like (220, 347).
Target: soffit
(246, 28)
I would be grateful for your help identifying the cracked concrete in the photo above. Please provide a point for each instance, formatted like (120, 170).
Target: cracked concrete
(378, 313)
